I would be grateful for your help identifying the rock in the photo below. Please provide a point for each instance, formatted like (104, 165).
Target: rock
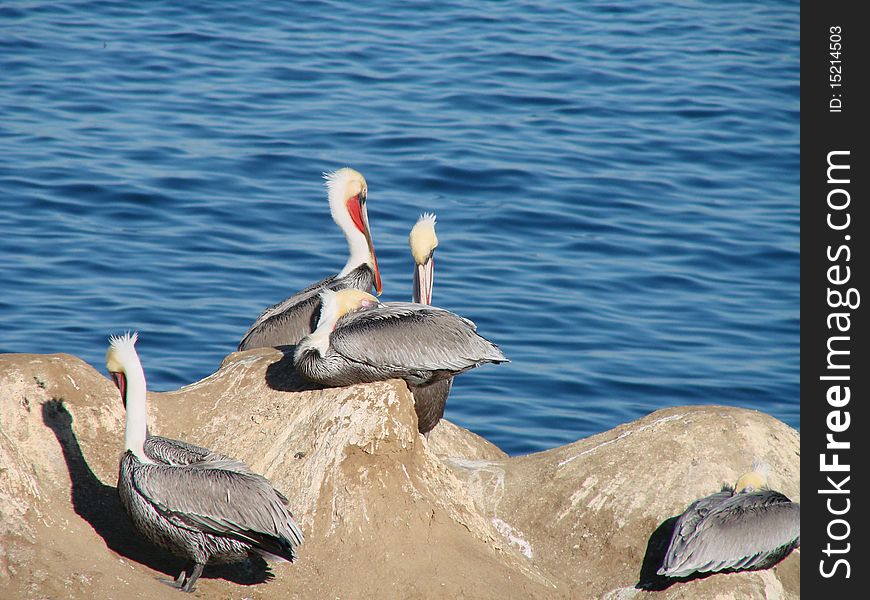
(386, 512)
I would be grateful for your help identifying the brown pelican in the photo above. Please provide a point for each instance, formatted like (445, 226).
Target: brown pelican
(288, 321)
(745, 527)
(358, 340)
(423, 242)
(203, 506)
(429, 400)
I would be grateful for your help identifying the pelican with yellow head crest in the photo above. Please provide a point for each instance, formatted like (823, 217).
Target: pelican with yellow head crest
(745, 527)
(289, 321)
(360, 340)
(429, 400)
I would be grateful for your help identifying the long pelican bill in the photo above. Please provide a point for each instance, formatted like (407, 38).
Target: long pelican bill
(423, 281)
(120, 380)
(356, 207)
(288, 321)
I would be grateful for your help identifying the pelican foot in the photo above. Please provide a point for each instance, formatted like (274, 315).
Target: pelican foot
(177, 582)
(189, 584)
(183, 582)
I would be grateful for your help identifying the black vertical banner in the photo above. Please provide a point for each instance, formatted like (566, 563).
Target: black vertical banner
(835, 224)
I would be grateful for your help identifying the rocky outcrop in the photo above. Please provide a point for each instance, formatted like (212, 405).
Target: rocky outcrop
(386, 513)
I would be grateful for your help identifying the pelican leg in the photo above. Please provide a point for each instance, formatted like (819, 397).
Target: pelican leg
(177, 582)
(197, 571)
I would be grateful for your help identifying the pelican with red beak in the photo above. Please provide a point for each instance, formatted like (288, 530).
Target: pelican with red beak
(289, 321)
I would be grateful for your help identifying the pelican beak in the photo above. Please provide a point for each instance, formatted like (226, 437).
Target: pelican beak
(121, 383)
(359, 213)
(423, 279)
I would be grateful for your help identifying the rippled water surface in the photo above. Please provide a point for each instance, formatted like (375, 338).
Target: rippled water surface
(616, 186)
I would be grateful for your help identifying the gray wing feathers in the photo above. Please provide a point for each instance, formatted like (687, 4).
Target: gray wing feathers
(285, 323)
(178, 453)
(740, 532)
(688, 521)
(290, 320)
(310, 292)
(222, 502)
(403, 336)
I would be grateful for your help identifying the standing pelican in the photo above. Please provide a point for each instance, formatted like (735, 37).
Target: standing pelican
(288, 321)
(209, 510)
(747, 527)
(429, 400)
(358, 340)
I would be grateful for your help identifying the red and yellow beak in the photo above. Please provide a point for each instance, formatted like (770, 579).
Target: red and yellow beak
(121, 382)
(356, 207)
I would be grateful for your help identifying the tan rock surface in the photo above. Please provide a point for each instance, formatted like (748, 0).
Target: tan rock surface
(386, 513)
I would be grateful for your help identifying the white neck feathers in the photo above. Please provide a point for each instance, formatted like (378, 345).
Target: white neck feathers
(123, 350)
(319, 338)
(342, 185)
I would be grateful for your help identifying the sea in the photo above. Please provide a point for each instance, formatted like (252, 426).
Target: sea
(616, 185)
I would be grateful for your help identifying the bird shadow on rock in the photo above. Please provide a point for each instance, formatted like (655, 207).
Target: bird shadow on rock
(99, 505)
(282, 376)
(656, 548)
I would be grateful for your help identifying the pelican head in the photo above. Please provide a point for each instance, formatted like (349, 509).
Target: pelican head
(347, 191)
(423, 242)
(753, 481)
(333, 306)
(121, 357)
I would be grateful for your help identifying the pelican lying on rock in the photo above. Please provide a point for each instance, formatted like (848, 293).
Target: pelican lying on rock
(747, 527)
(359, 340)
(429, 400)
(198, 504)
(288, 321)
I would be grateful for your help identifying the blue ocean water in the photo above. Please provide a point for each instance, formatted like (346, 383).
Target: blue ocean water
(616, 185)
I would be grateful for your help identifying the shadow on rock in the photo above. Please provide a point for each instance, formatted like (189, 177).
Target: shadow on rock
(99, 505)
(656, 547)
(282, 376)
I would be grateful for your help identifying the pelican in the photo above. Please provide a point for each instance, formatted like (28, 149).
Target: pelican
(288, 321)
(745, 527)
(359, 339)
(198, 504)
(166, 450)
(423, 242)
(429, 400)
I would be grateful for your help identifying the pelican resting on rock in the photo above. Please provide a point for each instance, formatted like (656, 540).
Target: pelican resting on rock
(745, 527)
(359, 339)
(289, 321)
(198, 504)
(429, 400)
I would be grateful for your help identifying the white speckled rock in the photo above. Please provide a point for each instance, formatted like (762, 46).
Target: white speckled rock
(385, 512)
